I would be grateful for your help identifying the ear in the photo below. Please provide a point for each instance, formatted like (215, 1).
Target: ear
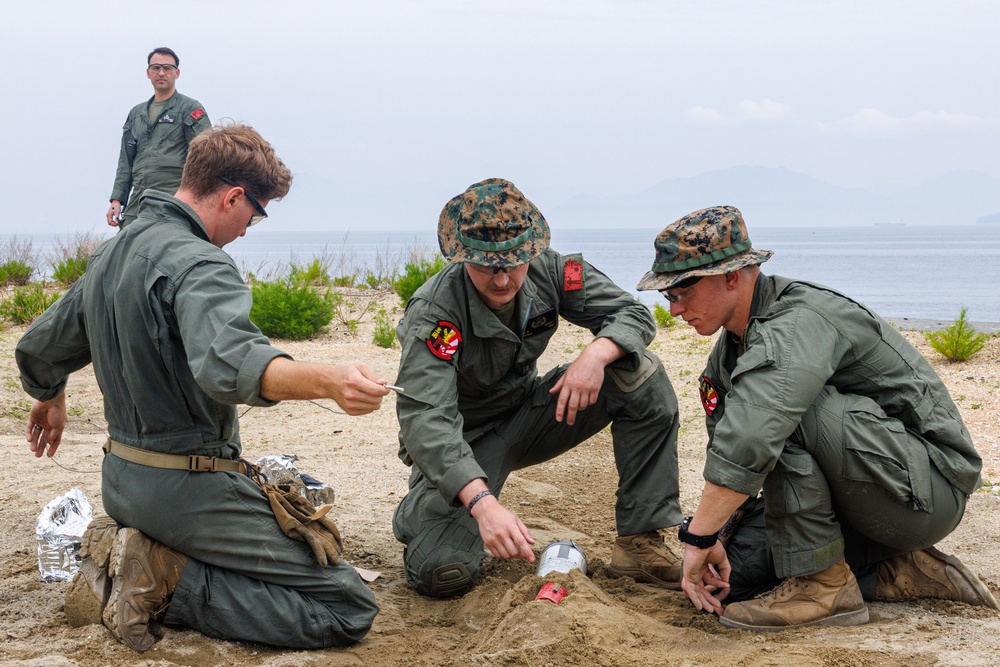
(733, 280)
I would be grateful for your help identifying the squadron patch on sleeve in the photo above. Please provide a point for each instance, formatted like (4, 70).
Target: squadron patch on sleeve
(443, 340)
(197, 113)
(572, 275)
(709, 396)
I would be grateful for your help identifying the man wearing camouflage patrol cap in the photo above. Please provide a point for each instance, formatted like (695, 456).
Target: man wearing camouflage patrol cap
(858, 447)
(475, 409)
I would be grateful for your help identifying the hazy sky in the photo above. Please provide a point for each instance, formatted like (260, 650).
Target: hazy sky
(410, 102)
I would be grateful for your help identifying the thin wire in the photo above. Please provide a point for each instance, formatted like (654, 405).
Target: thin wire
(105, 430)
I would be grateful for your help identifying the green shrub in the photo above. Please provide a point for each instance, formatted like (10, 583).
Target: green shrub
(290, 310)
(415, 274)
(663, 318)
(959, 341)
(315, 273)
(15, 272)
(69, 270)
(385, 333)
(26, 304)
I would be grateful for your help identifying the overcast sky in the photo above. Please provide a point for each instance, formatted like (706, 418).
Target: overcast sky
(410, 102)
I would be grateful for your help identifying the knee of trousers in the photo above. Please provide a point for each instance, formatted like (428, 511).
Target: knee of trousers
(440, 543)
(647, 388)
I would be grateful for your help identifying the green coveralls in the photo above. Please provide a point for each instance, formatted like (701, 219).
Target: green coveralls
(844, 424)
(476, 408)
(163, 316)
(152, 155)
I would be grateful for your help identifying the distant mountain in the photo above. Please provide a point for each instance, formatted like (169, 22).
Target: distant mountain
(993, 219)
(775, 196)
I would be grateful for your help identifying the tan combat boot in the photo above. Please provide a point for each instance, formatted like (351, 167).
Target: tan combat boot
(929, 573)
(830, 597)
(646, 558)
(88, 592)
(145, 576)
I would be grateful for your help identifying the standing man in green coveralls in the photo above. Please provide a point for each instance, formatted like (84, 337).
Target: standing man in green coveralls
(475, 408)
(155, 139)
(163, 315)
(863, 458)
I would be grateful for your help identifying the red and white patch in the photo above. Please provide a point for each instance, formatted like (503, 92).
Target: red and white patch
(197, 113)
(709, 396)
(572, 276)
(444, 339)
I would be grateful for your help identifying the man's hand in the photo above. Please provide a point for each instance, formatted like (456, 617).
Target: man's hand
(46, 422)
(503, 533)
(114, 212)
(580, 385)
(705, 576)
(355, 387)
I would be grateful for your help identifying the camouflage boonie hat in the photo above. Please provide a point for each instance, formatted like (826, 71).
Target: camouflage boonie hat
(704, 243)
(492, 224)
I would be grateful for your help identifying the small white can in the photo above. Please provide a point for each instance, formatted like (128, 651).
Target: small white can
(561, 556)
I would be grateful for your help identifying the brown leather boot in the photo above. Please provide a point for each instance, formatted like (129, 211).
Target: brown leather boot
(646, 558)
(89, 591)
(830, 597)
(145, 576)
(929, 573)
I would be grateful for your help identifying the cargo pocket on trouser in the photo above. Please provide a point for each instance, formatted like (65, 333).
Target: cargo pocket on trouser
(801, 527)
(878, 450)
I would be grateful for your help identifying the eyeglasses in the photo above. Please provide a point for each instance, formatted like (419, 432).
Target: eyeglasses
(169, 69)
(261, 213)
(479, 268)
(684, 284)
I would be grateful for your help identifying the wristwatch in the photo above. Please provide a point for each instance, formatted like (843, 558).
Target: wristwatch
(700, 541)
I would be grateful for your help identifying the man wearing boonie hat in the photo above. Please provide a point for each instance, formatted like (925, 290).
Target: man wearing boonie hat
(861, 453)
(474, 408)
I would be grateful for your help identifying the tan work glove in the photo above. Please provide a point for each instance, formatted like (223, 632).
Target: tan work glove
(301, 521)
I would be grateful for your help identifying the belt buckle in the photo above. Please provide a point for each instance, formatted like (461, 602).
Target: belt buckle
(198, 463)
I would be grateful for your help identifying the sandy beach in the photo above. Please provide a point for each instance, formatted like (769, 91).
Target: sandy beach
(603, 621)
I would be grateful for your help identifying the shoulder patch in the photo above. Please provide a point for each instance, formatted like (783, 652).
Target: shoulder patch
(572, 275)
(197, 113)
(443, 340)
(709, 396)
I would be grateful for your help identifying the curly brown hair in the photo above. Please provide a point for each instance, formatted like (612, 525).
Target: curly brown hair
(237, 152)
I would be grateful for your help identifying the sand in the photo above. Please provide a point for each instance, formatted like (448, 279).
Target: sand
(603, 621)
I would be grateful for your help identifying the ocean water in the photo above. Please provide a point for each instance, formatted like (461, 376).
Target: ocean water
(898, 271)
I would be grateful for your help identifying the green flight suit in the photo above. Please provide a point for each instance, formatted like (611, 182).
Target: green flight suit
(153, 154)
(163, 315)
(844, 424)
(475, 407)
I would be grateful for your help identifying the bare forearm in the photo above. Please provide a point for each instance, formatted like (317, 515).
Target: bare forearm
(355, 387)
(716, 506)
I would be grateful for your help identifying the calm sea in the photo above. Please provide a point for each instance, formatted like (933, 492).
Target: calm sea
(898, 271)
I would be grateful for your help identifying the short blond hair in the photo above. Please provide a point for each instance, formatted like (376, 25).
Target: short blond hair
(236, 152)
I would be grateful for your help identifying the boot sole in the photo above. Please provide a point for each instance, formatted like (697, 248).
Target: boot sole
(984, 593)
(857, 617)
(88, 593)
(643, 577)
(128, 622)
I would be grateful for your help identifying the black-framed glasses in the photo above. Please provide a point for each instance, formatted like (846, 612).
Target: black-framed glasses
(684, 284)
(261, 213)
(162, 68)
(489, 269)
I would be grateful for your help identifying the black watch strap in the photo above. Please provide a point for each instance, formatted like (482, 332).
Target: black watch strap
(700, 541)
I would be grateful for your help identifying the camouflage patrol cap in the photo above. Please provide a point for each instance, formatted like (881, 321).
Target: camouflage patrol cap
(704, 243)
(492, 224)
